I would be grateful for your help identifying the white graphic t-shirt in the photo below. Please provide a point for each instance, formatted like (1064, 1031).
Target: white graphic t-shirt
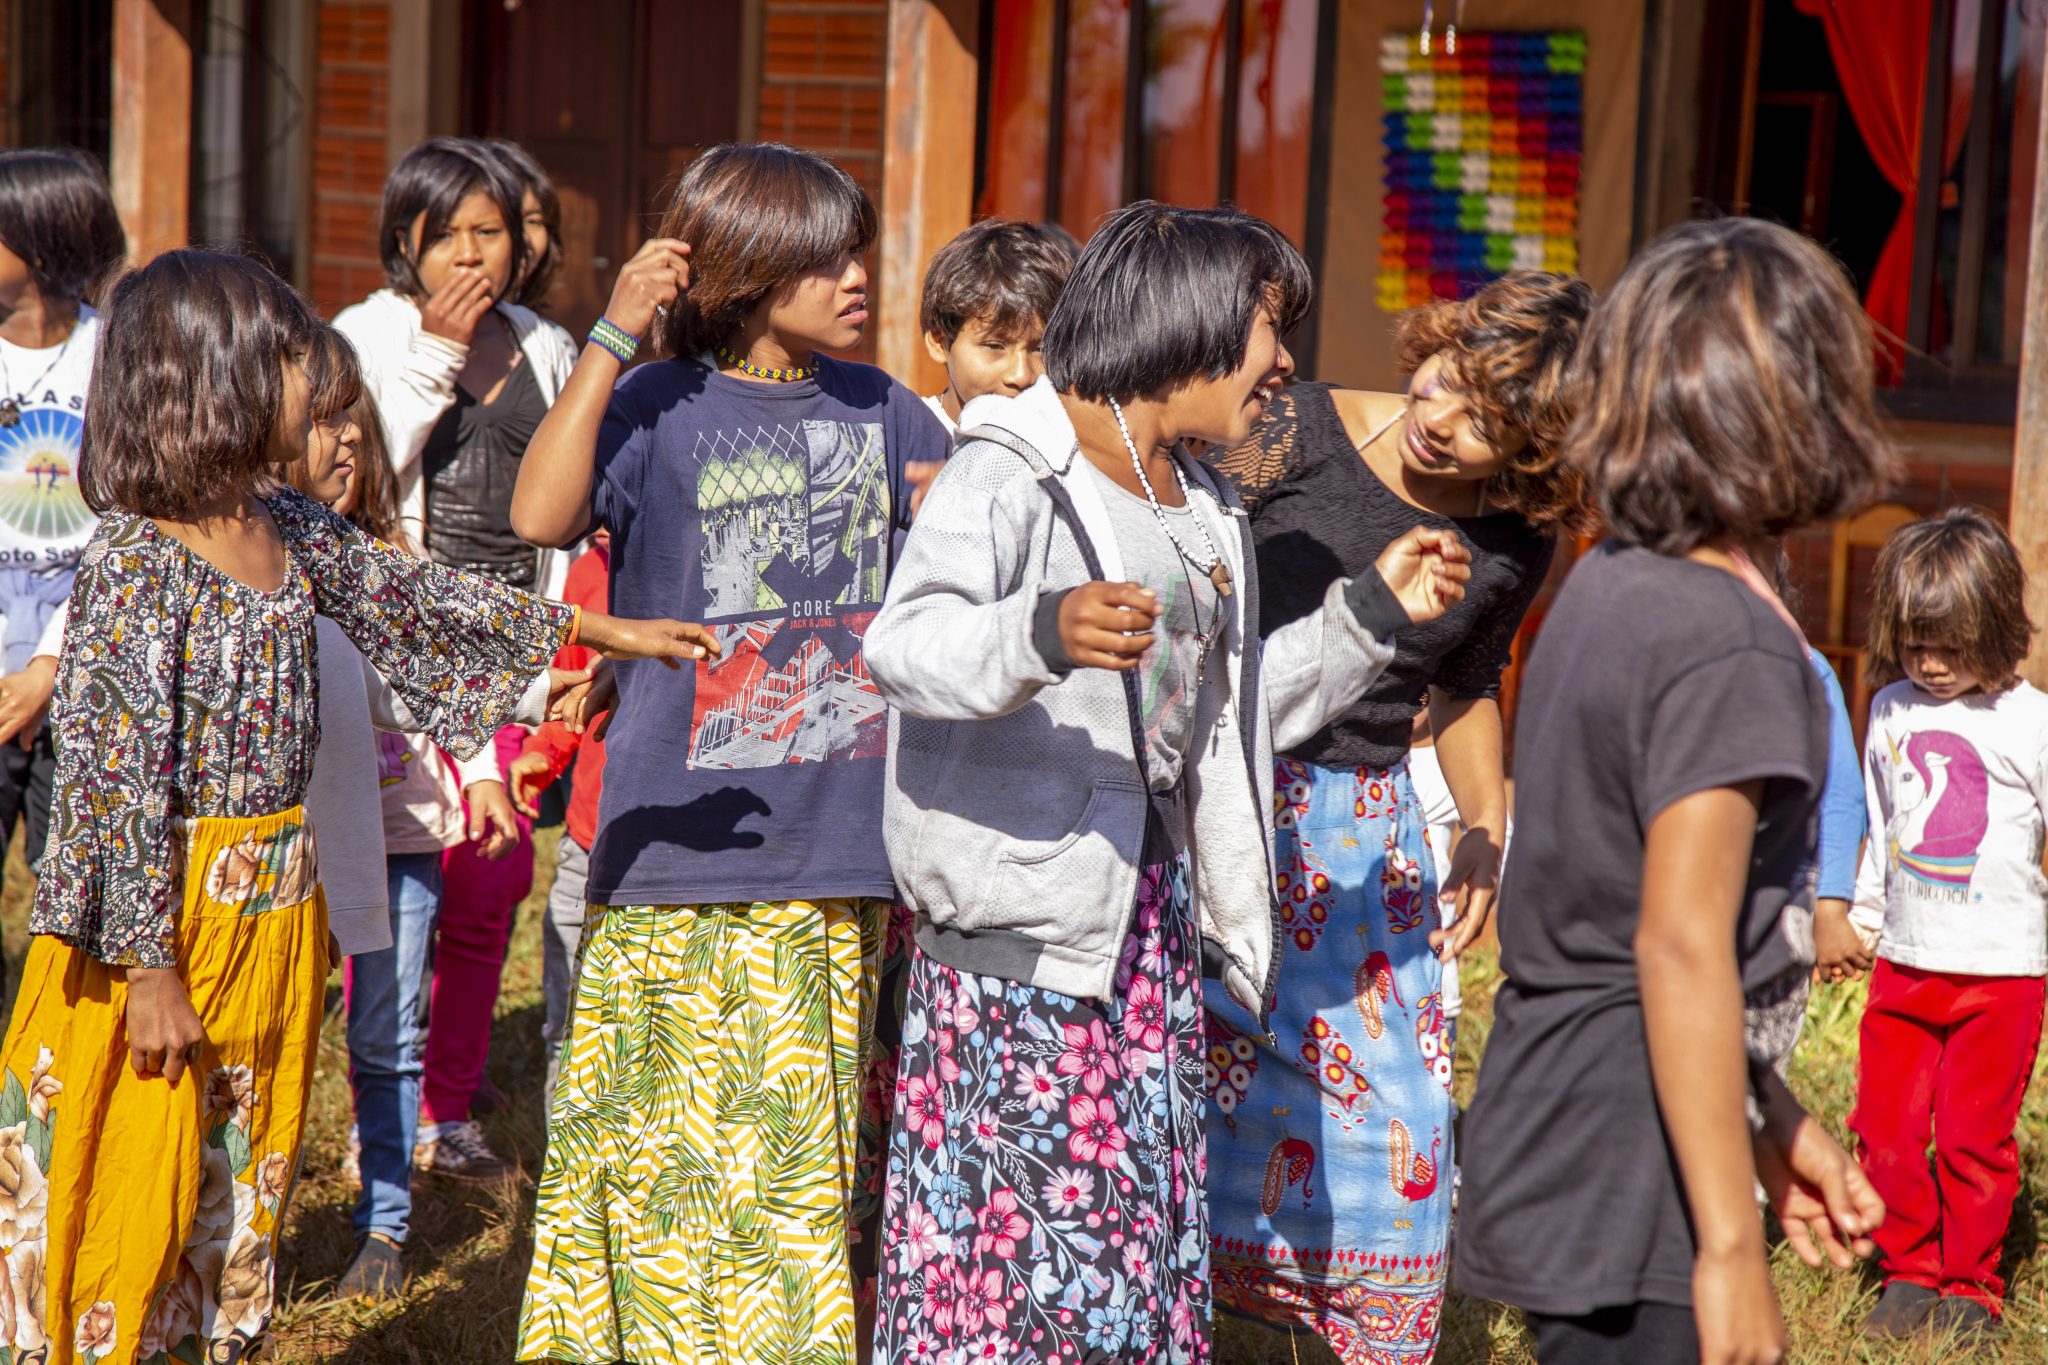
(44, 522)
(1958, 794)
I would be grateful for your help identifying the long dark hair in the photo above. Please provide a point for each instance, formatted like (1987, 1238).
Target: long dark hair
(189, 384)
(757, 217)
(56, 214)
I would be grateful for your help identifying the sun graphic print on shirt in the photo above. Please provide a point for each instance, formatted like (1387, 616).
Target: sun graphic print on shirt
(39, 497)
(796, 544)
(1940, 812)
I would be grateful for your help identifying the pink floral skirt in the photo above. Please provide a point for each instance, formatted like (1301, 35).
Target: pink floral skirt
(1046, 1171)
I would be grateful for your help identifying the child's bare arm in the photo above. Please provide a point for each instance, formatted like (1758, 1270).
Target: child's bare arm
(1695, 870)
(551, 502)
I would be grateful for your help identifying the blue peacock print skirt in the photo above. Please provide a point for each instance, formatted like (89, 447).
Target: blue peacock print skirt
(1330, 1145)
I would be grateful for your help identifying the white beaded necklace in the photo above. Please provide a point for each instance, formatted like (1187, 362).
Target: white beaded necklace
(1218, 571)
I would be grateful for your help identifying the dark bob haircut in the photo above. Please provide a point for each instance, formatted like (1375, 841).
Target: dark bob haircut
(56, 214)
(1162, 297)
(188, 385)
(758, 216)
(1954, 580)
(1727, 391)
(432, 180)
(533, 286)
(1005, 274)
(1508, 350)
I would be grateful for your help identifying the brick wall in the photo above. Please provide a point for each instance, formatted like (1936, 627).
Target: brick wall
(351, 74)
(824, 65)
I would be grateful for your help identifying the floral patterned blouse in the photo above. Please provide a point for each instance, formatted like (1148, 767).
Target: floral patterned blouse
(183, 693)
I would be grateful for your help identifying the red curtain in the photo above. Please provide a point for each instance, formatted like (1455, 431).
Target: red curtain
(1880, 52)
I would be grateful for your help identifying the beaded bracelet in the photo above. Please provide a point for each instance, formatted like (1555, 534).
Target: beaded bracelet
(616, 339)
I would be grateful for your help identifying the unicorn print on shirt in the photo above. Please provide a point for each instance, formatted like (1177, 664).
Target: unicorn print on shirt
(1940, 813)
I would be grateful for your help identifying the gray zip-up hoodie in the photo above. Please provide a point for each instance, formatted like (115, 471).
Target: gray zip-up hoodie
(1016, 799)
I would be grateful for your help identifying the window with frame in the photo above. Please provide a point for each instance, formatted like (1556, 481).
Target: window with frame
(1975, 195)
(1901, 134)
(1087, 105)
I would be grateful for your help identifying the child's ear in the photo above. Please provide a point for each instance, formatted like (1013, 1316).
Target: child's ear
(935, 346)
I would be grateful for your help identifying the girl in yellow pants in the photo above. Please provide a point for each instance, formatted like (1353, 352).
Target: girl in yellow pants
(161, 1051)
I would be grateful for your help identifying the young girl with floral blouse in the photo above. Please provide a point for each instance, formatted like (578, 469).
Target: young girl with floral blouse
(160, 1058)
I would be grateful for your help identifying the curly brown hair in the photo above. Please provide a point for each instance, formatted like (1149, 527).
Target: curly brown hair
(1954, 579)
(1508, 351)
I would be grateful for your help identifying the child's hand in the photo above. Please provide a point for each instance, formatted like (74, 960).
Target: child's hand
(618, 637)
(1736, 1309)
(454, 310)
(492, 827)
(1824, 1200)
(529, 776)
(919, 474)
(567, 687)
(1427, 571)
(1475, 879)
(164, 1032)
(25, 700)
(1108, 625)
(1838, 950)
(657, 274)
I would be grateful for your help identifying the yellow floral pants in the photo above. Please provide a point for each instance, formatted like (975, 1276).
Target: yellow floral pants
(138, 1219)
(700, 1168)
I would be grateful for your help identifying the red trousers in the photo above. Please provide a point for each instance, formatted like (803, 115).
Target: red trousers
(1946, 1058)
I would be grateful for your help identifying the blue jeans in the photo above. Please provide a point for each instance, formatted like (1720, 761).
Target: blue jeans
(387, 1038)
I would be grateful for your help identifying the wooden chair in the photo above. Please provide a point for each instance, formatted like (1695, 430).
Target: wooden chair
(1867, 530)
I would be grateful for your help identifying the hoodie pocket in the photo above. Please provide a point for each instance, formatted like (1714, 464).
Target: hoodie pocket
(1039, 885)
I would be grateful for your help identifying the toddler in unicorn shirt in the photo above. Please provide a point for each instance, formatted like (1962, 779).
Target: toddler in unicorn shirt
(1951, 900)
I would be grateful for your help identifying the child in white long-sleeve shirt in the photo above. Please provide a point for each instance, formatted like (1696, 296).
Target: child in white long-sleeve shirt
(1952, 893)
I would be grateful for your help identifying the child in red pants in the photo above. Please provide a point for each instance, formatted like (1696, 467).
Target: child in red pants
(1952, 898)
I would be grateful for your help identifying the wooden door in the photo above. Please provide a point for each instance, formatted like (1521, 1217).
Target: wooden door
(614, 99)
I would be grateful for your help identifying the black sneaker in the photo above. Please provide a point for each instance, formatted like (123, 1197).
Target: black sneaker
(375, 1272)
(1963, 1321)
(1902, 1310)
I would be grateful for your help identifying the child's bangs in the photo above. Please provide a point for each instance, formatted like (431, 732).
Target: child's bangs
(828, 220)
(336, 379)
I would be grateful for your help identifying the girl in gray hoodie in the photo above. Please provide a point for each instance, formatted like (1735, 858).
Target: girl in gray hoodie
(1082, 726)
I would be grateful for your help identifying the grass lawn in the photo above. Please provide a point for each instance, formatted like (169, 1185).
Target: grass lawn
(469, 1249)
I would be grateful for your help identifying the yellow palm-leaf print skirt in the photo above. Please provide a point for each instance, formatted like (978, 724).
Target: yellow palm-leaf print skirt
(138, 1220)
(700, 1168)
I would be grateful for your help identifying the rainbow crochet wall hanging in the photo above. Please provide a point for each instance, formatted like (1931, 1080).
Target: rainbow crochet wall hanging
(1483, 144)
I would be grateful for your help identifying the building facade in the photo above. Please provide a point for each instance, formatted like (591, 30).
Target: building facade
(1902, 133)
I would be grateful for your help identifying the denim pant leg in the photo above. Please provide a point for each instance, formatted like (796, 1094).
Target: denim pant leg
(559, 942)
(387, 1041)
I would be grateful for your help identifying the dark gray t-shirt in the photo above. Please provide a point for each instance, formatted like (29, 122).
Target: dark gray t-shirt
(1654, 678)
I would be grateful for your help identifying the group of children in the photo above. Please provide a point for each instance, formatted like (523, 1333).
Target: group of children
(1026, 778)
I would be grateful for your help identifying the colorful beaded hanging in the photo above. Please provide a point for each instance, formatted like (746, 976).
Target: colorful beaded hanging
(785, 374)
(1484, 140)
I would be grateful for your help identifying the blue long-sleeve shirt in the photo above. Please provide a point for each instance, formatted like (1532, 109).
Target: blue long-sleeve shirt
(1843, 816)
